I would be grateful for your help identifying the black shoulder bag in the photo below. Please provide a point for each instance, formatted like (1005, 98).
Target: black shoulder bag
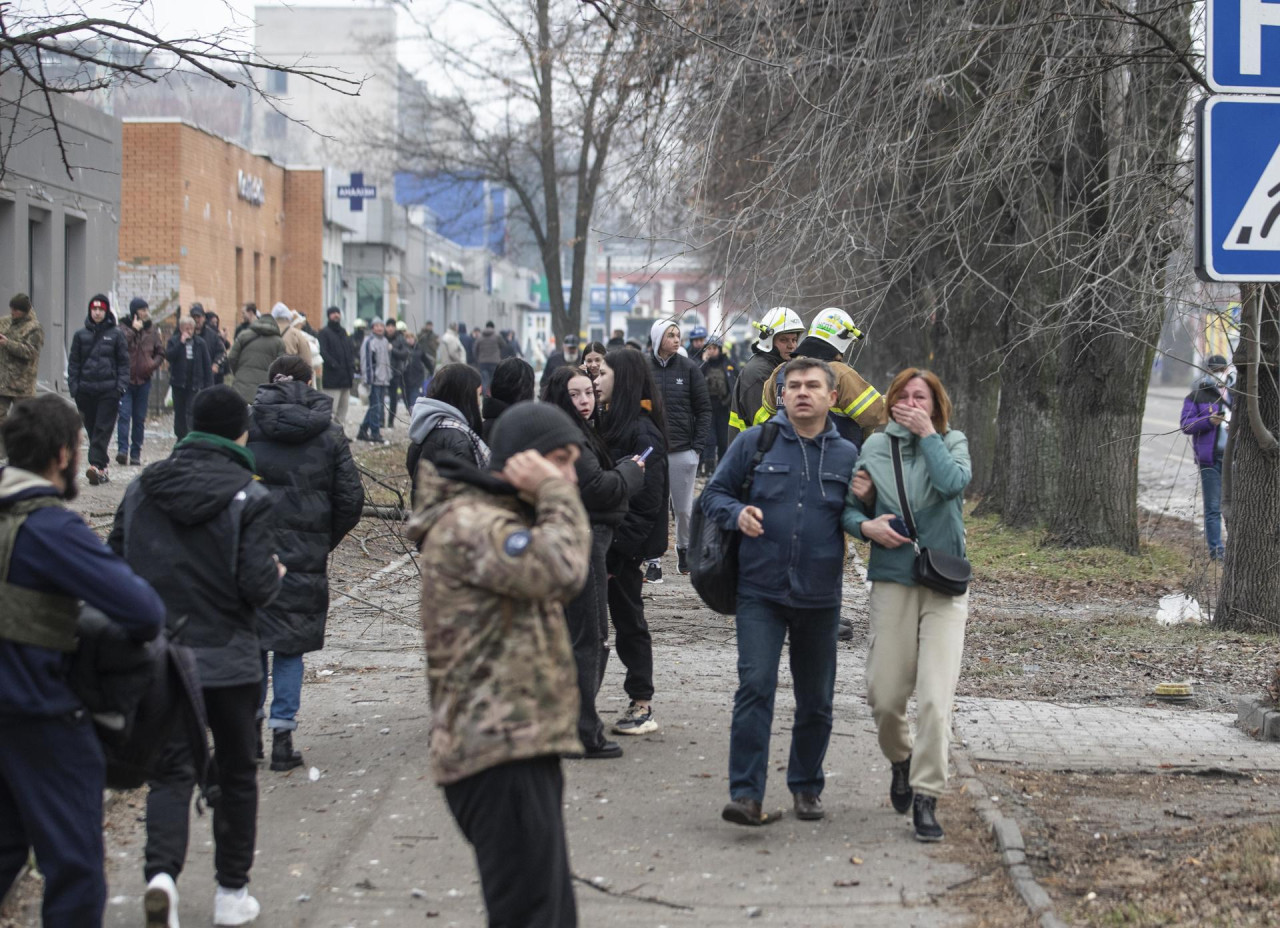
(933, 570)
(713, 551)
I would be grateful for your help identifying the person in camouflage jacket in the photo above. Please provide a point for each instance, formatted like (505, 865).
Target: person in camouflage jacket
(21, 339)
(502, 551)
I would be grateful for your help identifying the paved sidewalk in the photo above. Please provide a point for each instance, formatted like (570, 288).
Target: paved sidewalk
(1067, 736)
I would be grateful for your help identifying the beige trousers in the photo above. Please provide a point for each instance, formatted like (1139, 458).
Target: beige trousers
(917, 638)
(340, 398)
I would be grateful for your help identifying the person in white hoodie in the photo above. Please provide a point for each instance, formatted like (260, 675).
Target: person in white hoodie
(687, 408)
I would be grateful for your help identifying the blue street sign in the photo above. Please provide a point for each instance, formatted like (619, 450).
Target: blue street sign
(1242, 45)
(1238, 188)
(356, 192)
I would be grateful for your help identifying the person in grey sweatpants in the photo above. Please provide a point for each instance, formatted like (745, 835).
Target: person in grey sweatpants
(687, 408)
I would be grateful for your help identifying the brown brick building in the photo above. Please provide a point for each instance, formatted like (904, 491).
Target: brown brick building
(203, 220)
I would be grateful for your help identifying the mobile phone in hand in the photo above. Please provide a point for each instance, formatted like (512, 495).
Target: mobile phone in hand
(899, 526)
(647, 451)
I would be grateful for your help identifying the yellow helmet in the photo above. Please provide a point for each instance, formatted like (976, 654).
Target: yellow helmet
(834, 326)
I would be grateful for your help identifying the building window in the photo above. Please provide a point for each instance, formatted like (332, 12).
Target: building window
(275, 126)
(277, 83)
(239, 280)
(369, 297)
(257, 280)
(271, 281)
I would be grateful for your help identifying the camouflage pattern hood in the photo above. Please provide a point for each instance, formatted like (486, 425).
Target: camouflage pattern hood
(496, 572)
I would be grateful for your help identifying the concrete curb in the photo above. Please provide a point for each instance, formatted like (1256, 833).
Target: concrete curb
(1009, 844)
(1258, 717)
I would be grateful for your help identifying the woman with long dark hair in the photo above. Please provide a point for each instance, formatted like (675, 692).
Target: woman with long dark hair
(632, 424)
(592, 357)
(446, 423)
(605, 490)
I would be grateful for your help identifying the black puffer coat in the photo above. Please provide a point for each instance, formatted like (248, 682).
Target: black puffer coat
(684, 401)
(642, 533)
(194, 373)
(339, 357)
(201, 530)
(607, 488)
(316, 498)
(98, 361)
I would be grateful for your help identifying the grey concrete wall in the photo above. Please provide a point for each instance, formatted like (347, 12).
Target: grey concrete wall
(58, 233)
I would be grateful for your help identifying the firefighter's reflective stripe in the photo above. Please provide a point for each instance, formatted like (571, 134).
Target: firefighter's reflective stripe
(735, 422)
(862, 403)
(763, 415)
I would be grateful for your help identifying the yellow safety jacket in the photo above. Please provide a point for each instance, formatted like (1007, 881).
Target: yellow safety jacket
(856, 400)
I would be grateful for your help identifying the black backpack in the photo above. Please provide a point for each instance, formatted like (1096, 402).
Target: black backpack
(713, 551)
(138, 694)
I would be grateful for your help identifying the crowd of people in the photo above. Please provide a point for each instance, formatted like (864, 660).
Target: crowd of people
(540, 508)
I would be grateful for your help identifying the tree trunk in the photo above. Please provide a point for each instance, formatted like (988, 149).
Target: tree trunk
(1250, 596)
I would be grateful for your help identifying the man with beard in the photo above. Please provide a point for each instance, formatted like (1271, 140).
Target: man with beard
(558, 359)
(21, 338)
(52, 771)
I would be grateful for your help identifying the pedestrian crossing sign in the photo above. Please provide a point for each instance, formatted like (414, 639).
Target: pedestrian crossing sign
(1238, 188)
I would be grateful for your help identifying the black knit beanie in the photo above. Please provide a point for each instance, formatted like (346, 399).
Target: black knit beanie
(541, 427)
(220, 410)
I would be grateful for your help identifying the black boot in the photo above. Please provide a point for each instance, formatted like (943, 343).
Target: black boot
(927, 827)
(259, 751)
(900, 786)
(682, 560)
(283, 756)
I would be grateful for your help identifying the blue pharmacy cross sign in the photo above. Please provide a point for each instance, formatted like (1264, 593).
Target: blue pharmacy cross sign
(1242, 45)
(356, 192)
(1238, 188)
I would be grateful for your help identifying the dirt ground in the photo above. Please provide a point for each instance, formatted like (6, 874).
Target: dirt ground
(1169, 849)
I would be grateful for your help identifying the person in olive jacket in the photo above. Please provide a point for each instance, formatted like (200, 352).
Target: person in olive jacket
(255, 349)
(97, 376)
(317, 497)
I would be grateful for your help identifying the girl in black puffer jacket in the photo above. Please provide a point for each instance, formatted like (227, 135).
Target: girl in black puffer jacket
(633, 425)
(606, 490)
(97, 376)
(317, 496)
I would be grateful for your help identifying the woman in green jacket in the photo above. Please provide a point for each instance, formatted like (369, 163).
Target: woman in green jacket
(917, 635)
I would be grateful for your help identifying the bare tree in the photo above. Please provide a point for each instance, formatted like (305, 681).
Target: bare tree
(540, 111)
(1250, 597)
(992, 188)
(62, 49)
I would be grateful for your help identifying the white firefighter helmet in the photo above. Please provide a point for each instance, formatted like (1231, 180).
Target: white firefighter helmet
(834, 326)
(777, 321)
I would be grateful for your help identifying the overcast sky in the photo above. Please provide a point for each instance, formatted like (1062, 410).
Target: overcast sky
(178, 18)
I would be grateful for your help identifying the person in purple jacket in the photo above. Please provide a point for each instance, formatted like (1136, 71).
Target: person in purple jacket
(52, 769)
(1205, 413)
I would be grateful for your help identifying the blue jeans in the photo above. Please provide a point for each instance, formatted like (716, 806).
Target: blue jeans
(286, 688)
(371, 427)
(133, 406)
(1211, 488)
(762, 627)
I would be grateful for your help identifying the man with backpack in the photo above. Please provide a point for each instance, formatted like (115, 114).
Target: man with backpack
(52, 770)
(199, 527)
(796, 469)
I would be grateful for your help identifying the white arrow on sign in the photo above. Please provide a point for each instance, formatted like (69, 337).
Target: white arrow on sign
(1257, 228)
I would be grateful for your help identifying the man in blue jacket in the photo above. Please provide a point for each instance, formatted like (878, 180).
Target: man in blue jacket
(790, 567)
(51, 766)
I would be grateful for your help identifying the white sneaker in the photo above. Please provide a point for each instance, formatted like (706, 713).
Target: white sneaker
(161, 902)
(234, 906)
